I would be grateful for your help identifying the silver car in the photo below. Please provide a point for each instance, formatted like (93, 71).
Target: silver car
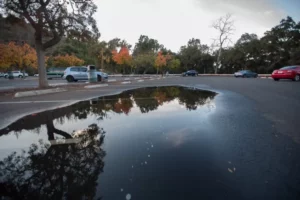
(74, 74)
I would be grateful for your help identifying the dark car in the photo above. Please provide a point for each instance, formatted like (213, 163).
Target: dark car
(289, 72)
(190, 73)
(245, 74)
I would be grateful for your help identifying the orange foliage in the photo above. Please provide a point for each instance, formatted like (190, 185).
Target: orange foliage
(123, 57)
(123, 106)
(67, 60)
(160, 60)
(17, 56)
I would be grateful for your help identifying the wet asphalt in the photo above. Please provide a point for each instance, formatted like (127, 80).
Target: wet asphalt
(258, 124)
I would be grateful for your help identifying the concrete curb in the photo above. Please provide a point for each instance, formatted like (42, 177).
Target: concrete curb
(126, 82)
(95, 86)
(38, 92)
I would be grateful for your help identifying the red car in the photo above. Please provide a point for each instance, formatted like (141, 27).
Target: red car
(290, 72)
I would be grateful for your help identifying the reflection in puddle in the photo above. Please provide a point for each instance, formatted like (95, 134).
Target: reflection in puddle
(63, 153)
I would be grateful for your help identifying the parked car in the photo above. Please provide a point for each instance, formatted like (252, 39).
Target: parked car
(245, 74)
(36, 75)
(190, 73)
(1, 74)
(55, 72)
(289, 72)
(74, 74)
(17, 74)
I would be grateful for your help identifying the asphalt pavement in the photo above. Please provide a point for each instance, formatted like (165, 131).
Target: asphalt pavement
(32, 82)
(276, 101)
(260, 114)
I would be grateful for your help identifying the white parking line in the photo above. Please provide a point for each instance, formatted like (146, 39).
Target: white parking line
(126, 82)
(20, 102)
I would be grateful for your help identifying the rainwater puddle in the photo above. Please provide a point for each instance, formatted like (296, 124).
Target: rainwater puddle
(150, 143)
(116, 147)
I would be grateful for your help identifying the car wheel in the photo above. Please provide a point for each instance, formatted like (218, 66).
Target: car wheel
(244, 76)
(276, 79)
(297, 78)
(6, 76)
(99, 78)
(20, 76)
(70, 78)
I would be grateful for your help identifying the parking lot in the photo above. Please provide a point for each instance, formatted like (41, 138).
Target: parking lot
(248, 140)
(29, 82)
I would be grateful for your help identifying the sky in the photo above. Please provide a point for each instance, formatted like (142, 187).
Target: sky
(174, 22)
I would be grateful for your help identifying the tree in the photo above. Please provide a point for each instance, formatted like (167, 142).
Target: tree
(195, 55)
(66, 60)
(144, 61)
(17, 56)
(174, 64)
(160, 61)
(51, 20)
(145, 45)
(122, 58)
(224, 25)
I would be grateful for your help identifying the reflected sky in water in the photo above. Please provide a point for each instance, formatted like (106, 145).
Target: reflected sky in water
(150, 143)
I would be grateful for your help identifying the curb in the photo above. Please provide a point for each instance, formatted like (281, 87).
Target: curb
(38, 92)
(95, 86)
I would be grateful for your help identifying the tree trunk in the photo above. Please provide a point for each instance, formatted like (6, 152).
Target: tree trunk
(43, 83)
(157, 70)
(218, 61)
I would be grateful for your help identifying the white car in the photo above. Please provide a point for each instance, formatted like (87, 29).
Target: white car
(17, 74)
(74, 74)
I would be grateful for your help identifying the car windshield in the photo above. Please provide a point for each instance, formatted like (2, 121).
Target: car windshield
(288, 67)
(149, 99)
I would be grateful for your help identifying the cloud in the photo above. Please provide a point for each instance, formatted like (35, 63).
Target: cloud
(265, 13)
(174, 22)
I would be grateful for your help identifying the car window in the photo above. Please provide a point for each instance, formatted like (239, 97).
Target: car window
(288, 67)
(83, 69)
(74, 69)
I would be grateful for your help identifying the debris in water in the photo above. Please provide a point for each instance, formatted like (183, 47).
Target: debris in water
(152, 146)
(128, 196)
(229, 162)
(234, 169)
(148, 156)
(145, 162)
(121, 189)
(132, 166)
(230, 170)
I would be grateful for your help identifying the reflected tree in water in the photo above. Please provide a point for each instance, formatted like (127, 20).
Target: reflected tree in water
(65, 171)
(146, 99)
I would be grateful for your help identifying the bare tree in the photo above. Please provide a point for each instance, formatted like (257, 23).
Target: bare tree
(51, 20)
(225, 26)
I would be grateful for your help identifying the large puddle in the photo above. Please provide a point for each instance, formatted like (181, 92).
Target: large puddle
(139, 144)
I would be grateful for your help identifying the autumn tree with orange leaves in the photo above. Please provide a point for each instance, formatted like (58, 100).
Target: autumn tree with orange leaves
(13, 56)
(161, 61)
(66, 61)
(122, 58)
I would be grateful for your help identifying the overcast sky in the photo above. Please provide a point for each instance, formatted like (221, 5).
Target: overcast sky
(174, 22)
